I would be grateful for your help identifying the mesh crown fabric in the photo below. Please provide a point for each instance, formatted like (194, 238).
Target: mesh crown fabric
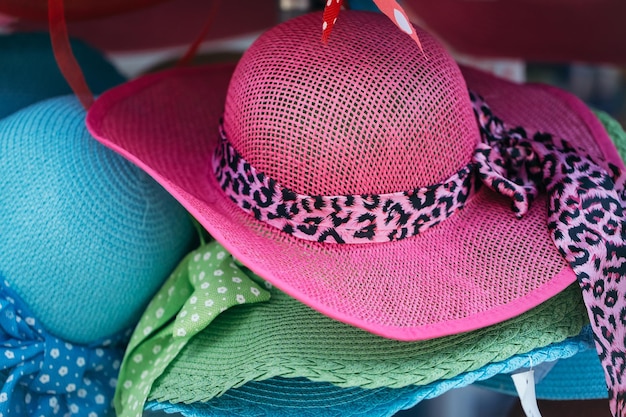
(340, 116)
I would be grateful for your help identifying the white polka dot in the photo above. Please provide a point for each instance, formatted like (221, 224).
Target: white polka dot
(138, 358)
(206, 256)
(183, 314)
(208, 303)
(156, 349)
(113, 382)
(195, 317)
(147, 330)
(171, 290)
(28, 398)
(221, 254)
(116, 364)
(240, 299)
(44, 378)
(237, 280)
(181, 332)
(63, 370)
(30, 321)
(74, 408)
(9, 354)
(99, 352)
(324, 25)
(144, 374)
(159, 312)
(69, 346)
(53, 402)
(222, 290)
(99, 399)
(329, 2)
(82, 393)
(193, 300)
(10, 378)
(205, 285)
(80, 361)
(218, 273)
(70, 387)
(197, 257)
(128, 384)
(201, 276)
(255, 291)
(402, 22)
(92, 414)
(3, 397)
(267, 284)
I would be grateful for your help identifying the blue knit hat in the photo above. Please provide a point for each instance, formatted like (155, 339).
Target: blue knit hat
(29, 72)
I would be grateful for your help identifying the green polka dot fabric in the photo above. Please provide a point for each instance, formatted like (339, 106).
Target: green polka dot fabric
(206, 283)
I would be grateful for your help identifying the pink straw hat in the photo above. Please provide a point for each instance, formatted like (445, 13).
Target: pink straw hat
(365, 122)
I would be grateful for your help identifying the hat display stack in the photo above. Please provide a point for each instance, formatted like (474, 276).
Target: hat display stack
(87, 238)
(384, 225)
(344, 222)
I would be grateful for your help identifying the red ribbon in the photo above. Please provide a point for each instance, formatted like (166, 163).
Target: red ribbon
(389, 8)
(63, 53)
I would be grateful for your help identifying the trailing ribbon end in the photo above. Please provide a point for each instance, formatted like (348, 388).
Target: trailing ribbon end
(390, 8)
(398, 16)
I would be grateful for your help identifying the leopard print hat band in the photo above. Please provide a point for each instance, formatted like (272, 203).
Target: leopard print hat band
(361, 218)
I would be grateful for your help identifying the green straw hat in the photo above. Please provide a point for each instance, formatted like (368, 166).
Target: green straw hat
(174, 357)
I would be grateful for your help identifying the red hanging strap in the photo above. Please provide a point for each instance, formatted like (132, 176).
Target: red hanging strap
(193, 48)
(63, 53)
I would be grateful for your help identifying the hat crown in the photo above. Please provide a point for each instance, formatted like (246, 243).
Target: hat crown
(366, 113)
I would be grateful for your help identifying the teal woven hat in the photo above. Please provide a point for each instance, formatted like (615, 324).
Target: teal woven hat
(191, 347)
(29, 72)
(88, 237)
(579, 377)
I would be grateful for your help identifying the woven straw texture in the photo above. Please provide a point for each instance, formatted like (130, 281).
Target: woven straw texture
(357, 115)
(29, 72)
(285, 338)
(577, 378)
(81, 225)
(299, 396)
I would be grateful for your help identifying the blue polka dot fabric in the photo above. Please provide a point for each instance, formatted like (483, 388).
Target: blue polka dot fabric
(46, 376)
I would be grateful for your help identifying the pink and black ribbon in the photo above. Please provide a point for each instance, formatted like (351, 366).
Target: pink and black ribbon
(586, 220)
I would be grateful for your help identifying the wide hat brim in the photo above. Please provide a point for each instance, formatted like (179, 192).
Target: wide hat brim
(284, 338)
(479, 267)
(303, 397)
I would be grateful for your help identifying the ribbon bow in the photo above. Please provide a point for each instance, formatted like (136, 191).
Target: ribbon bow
(390, 8)
(586, 220)
(47, 376)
